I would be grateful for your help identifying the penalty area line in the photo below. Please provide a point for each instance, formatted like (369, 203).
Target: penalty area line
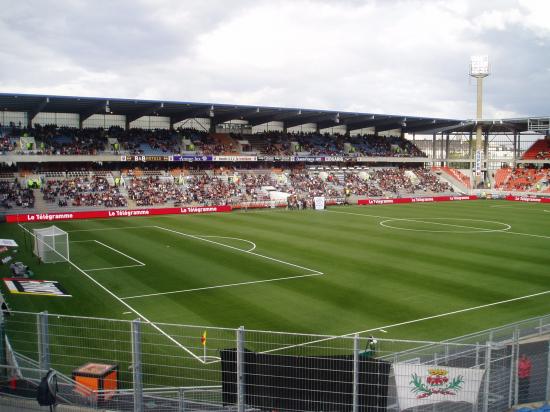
(221, 286)
(408, 322)
(118, 251)
(240, 250)
(113, 267)
(130, 308)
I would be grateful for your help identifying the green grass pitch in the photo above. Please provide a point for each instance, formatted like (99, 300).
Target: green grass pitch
(418, 271)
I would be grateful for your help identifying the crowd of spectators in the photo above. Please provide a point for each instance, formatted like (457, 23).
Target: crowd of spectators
(138, 141)
(83, 191)
(393, 181)
(526, 179)
(7, 145)
(12, 194)
(152, 191)
(221, 187)
(430, 182)
(53, 140)
(306, 185)
(354, 185)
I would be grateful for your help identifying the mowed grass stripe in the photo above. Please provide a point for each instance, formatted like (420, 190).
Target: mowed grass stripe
(374, 275)
(184, 263)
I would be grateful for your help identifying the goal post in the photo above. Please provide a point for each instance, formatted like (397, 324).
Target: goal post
(51, 244)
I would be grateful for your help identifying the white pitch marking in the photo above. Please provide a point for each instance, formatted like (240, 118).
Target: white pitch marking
(240, 250)
(361, 214)
(408, 322)
(523, 208)
(222, 286)
(126, 313)
(107, 228)
(118, 251)
(235, 238)
(383, 330)
(81, 241)
(113, 267)
(485, 230)
(480, 229)
(179, 345)
(507, 206)
(528, 234)
(434, 223)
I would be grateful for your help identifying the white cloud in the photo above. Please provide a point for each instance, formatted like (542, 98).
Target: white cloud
(407, 57)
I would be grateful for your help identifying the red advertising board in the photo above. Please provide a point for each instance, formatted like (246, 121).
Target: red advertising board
(392, 201)
(528, 199)
(98, 214)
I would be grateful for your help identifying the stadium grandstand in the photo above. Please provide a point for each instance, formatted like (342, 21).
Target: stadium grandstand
(101, 314)
(60, 152)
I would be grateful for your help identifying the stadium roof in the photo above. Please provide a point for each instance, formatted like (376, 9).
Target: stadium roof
(220, 113)
(255, 115)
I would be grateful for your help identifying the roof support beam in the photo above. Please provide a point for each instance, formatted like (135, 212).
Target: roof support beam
(190, 114)
(330, 123)
(98, 108)
(235, 115)
(277, 117)
(428, 126)
(144, 112)
(388, 126)
(309, 119)
(37, 109)
(373, 123)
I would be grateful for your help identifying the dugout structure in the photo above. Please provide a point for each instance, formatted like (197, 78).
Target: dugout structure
(51, 244)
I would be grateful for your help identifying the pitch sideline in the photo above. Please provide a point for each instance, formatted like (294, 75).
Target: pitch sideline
(408, 322)
(91, 278)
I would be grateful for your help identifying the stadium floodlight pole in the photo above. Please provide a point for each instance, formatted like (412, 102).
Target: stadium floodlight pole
(479, 69)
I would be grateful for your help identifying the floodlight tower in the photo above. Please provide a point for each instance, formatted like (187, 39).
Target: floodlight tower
(479, 69)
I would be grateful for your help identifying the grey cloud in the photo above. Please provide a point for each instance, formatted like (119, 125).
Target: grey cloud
(152, 49)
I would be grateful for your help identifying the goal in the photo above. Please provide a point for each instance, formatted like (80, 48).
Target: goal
(51, 244)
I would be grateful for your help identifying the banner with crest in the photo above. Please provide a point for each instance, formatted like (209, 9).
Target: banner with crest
(419, 385)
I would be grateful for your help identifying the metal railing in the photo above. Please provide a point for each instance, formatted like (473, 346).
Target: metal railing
(169, 367)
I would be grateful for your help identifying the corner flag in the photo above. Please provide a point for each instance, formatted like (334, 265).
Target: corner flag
(203, 339)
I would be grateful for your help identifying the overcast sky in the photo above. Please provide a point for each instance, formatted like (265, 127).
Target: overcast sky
(395, 57)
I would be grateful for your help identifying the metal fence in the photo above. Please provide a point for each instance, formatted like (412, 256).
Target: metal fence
(167, 367)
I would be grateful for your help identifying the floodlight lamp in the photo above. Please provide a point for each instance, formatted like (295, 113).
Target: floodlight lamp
(211, 111)
(337, 118)
(479, 66)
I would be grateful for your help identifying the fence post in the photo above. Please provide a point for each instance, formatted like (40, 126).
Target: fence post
(516, 376)
(488, 347)
(355, 373)
(512, 392)
(43, 341)
(548, 373)
(181, 400)
(136, 365)
(240, 370)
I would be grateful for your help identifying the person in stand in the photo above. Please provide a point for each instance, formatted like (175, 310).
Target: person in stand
(524, 374)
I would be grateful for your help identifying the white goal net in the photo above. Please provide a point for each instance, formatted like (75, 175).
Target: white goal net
(51, 244)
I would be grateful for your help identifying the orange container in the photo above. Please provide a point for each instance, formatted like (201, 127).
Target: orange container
(97, 377)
